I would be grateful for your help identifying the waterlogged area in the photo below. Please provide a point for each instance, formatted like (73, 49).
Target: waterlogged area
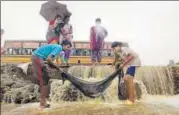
(153, 105)
(162, 100)
(155, 86)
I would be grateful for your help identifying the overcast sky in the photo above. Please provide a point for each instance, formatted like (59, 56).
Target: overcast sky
(151, 28)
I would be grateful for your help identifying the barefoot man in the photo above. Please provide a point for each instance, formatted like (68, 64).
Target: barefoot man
(47, 53)
(130, 62)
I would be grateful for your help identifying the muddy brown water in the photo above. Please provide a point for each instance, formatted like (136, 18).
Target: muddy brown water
(150, 105)
(92, 107)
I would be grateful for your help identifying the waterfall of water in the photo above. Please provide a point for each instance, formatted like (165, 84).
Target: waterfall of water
(148, 80)
(157, 80)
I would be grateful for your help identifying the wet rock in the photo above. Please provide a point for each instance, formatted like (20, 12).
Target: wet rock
(7, 82)
(53, 73)
(28, 93)
(17, 87)
(8, 68)
(14, 88)
(64, 92)
(175, 73)
(18, 90)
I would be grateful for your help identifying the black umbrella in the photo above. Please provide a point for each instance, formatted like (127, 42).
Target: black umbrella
(51, 9)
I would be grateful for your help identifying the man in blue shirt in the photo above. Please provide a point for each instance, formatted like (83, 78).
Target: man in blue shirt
(47, 53)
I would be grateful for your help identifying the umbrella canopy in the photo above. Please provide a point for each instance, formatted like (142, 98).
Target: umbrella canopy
(51, 9)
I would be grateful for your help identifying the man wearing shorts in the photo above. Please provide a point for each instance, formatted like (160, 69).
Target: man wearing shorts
(130, 62)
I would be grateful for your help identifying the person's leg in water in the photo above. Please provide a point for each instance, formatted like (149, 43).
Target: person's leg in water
(128, 79)
(38, 69)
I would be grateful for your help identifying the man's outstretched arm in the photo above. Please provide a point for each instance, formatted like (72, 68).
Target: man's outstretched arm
(50, 62)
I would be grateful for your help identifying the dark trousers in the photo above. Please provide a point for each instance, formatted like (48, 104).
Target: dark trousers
(40, 72)
(96, 55)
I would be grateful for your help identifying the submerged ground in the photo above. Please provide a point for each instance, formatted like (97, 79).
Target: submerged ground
(152, 105)
(156, 81)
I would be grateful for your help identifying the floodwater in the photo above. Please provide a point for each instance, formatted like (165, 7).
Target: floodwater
(156, 88)
(151, 105)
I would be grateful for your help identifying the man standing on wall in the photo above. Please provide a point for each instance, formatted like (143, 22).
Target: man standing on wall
(97, 35)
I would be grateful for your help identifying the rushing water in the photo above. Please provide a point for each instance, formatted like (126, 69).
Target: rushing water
(162, 100)
(156, 84)
(155, 80)
(152, 105)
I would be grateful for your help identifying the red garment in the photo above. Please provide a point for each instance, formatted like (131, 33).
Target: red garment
(92, 38)
(37, 65)
(51, 35)
(52, 39)
(94, 42)
(51, 22)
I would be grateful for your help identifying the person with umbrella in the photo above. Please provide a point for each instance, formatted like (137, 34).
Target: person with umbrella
(97, 35)
(49, 10)
(53, 32)
(54, 13)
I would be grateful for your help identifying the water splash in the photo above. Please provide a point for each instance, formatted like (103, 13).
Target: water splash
(162, 100)
(148, 80)
(158, 80)
(152, 80)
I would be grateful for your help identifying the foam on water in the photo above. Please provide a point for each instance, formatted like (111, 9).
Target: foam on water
(162, 100)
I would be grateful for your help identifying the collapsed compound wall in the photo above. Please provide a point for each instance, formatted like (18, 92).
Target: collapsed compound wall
(18, 87)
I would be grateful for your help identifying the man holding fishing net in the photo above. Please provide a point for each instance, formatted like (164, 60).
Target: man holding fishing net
(46, 53)
(129, 64)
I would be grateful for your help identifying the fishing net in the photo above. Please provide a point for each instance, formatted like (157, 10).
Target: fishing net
(91, 89)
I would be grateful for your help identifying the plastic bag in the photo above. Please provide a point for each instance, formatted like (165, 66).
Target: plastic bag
(24, 67)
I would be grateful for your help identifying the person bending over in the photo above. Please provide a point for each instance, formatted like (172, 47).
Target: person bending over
(130, 62)
(47, 53)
